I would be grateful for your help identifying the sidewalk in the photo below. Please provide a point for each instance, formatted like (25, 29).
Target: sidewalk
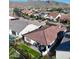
(62, 55)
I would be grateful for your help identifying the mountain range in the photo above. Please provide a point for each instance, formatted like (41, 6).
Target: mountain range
(38, 4)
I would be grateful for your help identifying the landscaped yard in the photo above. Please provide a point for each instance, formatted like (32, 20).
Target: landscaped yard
(27, 49)
(12, 53)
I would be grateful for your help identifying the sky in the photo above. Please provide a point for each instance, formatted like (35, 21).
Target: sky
(65, 1)
(18, 0)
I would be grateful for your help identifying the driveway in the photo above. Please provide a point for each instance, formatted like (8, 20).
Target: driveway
(62, 55)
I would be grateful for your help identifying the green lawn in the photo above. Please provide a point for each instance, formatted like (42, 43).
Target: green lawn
(26, 49)
(12, 53)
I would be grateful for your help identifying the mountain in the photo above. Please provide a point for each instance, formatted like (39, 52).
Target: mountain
(38, 4)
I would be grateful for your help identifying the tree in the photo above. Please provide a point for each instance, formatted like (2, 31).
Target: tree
(59, 9)
(32, 16)
(17, 11)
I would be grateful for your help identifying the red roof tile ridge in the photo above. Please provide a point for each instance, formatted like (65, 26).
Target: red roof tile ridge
(45, 37)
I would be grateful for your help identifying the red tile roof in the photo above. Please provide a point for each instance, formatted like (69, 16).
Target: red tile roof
(53, 14)
(27, 11)
(65, 17)
(44, 36)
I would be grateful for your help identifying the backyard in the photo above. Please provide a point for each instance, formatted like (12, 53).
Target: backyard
(27, 49)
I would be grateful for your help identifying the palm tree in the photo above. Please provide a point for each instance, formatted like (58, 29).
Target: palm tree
(59, 9)
(17, 11)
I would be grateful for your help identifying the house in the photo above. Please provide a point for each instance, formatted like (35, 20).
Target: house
(43, 37)
(61, 17)
(54, 15)
(66, 11)
(18, 27)
(36, 14)
(65, 17)
(26, 11)
(36, 10)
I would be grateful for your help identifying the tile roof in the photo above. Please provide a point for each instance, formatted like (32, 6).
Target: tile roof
(27, 11)
(53, 14)
(44, 36)
(19, 25)
(65, 17)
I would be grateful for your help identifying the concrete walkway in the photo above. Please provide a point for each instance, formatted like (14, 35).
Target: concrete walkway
(62, 55)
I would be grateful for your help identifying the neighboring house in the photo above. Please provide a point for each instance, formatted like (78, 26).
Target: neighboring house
(54, 15)
(66, 11)
(44, 36)
(26, 11)
(36, 14)
(35, 10)
(20, 26)
(44, 15)
(65, 17)
(41, 14)
(61, 17)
